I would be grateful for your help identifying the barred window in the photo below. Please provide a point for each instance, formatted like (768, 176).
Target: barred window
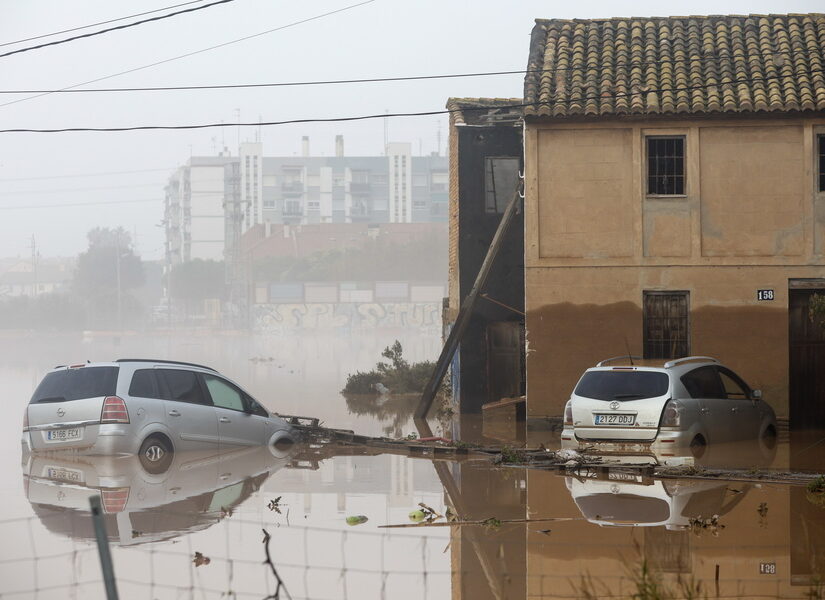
(666, 325)
(666, 166)
(821, 161)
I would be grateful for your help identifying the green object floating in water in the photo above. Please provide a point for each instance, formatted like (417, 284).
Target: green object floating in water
(357, 520)
(416, 516)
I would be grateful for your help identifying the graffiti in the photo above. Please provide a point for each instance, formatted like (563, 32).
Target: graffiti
(288, 318)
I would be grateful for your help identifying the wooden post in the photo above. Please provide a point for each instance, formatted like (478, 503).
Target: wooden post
(466, 311)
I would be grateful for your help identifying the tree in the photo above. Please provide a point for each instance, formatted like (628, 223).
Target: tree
(198, 280)
(104, 275)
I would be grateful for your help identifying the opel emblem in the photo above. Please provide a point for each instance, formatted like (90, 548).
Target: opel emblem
(614, 405)
(60, 412)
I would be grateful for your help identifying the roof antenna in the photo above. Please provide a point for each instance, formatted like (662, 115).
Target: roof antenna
(629, 354)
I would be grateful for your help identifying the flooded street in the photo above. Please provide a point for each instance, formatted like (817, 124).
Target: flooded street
(196, 530)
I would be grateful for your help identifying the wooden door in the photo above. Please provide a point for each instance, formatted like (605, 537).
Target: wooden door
(504, 360)
(806, 367)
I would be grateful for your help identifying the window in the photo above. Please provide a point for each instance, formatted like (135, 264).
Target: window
(500, 181)
(666, 166)
(622, 385)
(76, 383)
(182, 386)
(144, 384)
(224, 395)
(704, 382)
(735, 388)
(820, 139)
(666, 327)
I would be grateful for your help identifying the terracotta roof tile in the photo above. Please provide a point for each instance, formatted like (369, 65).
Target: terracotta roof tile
(668, 65)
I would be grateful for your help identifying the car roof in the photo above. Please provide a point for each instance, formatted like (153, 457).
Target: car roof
(676, 366)
(120, 361)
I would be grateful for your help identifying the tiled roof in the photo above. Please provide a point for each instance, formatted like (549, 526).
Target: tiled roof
(474, 110)
(668, 65)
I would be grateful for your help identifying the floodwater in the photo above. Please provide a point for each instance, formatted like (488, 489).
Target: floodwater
(196, 530)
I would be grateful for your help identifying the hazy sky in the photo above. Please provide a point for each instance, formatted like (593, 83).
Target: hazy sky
(383, 38)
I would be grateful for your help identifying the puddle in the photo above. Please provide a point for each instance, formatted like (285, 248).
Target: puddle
(197, 529)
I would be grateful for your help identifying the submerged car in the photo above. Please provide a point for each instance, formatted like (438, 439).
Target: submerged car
(147, 407)
(688, 403)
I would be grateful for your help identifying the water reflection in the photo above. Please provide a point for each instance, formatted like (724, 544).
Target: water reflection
(195, 492)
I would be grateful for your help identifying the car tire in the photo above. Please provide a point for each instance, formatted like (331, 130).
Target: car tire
(698, 445)
(155, 454)
(769, 438)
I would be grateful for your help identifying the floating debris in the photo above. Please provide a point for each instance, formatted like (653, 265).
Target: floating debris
(356, 520)
(200, 559)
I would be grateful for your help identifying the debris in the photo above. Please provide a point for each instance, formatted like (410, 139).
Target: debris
(491, 522)
(356, 520)
(763, 514)
(200, 559)
(544, 531)
(275, 504)
(699, 525)
(416, 516)
(226, 512)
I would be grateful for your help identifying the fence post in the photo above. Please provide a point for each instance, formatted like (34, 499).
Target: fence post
(103, 548)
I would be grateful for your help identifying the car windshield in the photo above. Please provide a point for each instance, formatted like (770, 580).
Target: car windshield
(74, 384)
(622, 385)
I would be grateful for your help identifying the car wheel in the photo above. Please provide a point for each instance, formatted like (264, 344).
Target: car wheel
(698, 446)
(769, 437)
(155, 455)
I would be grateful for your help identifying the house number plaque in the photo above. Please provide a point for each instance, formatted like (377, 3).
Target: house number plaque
(764, 295)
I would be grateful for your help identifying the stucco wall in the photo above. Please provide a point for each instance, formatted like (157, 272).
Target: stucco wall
(750, 219)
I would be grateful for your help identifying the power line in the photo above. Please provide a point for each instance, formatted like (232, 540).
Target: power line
(382, 79)
(77, 175)
(88, 189)
(188, 54)
(75, 204)
(110, 29)
(148, 12)
(407, 114)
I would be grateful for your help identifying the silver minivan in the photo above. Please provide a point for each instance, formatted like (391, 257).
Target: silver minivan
(146, 407)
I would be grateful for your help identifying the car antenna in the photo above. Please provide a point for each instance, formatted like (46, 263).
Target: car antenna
(629, 354)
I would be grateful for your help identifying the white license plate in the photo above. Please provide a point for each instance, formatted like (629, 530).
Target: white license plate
(64, 435)
(71, 475)
(615, 419)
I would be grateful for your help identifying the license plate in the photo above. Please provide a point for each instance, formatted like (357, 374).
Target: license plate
(64, 474)
(615, 419)
(64, 435)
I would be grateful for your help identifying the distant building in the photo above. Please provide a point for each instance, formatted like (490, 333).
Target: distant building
(211, 201)
(27, 278)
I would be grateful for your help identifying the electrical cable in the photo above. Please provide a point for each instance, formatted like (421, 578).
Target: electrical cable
(75, 204)
(77, 175)
(376, 79)
(148, 12)
(408, 114)
(188, 54)
(110, 29)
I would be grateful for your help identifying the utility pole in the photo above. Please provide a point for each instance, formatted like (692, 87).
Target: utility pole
(34, 266)
(117, 271)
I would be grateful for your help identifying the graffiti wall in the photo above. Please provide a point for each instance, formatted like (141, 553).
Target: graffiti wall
(288, 318)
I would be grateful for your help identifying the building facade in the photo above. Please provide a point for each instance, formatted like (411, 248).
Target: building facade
(675, 200)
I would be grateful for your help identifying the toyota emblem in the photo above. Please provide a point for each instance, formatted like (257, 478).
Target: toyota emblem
(614, 405)
(60, 412)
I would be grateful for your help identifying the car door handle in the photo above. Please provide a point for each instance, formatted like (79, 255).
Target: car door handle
(225, 420)
(174, 413)
(734, 409)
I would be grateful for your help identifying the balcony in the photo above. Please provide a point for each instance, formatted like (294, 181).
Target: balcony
(292, 187)
(359, 188)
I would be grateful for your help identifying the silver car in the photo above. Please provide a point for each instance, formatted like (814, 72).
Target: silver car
(686, 403)
(147, 407)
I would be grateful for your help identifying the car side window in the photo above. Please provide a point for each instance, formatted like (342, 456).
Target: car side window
(144, 384)
(182, 386)
(224, 394)
(735, 388)
(704, 382)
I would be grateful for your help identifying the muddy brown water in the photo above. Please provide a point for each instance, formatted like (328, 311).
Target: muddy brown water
(582, 534)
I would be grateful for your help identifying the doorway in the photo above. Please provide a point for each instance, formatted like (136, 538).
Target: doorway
(806, 353)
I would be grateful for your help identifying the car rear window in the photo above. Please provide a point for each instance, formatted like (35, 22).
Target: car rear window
(74, 384)
(622, 385)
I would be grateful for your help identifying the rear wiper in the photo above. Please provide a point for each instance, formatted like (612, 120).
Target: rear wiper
(51, 399)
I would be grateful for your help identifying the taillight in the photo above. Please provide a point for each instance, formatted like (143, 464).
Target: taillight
(672, 414)
(114, 499)
(114, 411)
(26, 419)
(568, 413)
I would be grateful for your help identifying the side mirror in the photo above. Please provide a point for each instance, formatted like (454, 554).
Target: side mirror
(756, 394)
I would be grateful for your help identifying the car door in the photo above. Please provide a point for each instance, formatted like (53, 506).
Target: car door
(705, 387)
(744, 411)
(238, 421)
(190, 415)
